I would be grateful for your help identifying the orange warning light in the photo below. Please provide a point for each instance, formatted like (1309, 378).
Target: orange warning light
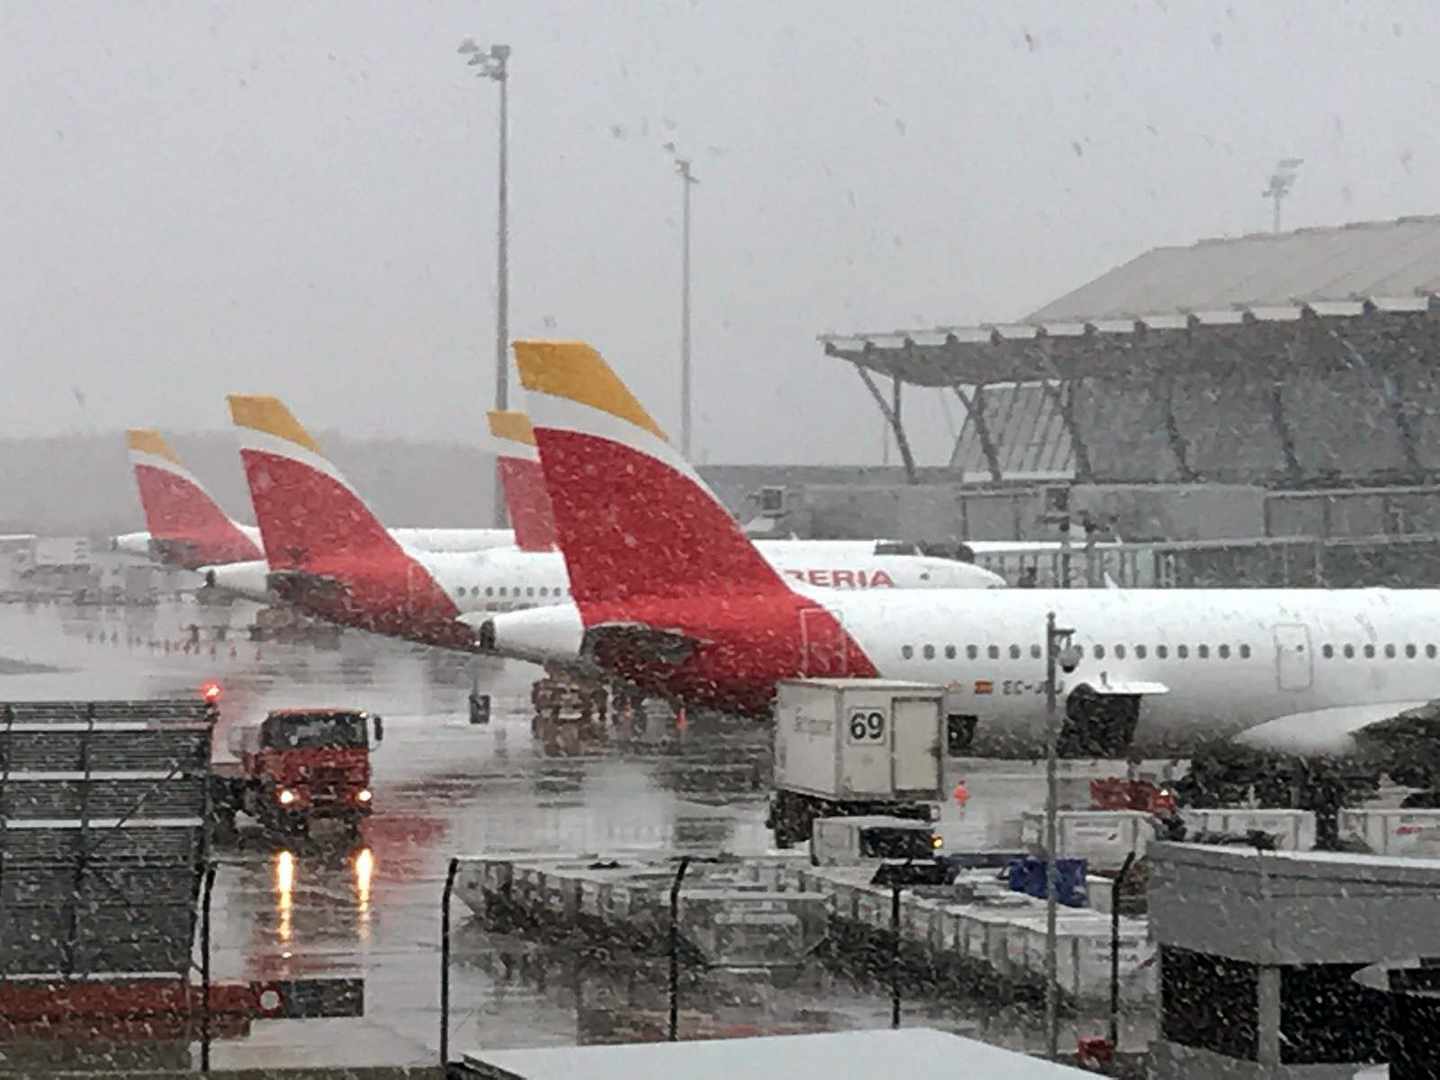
(210, 692)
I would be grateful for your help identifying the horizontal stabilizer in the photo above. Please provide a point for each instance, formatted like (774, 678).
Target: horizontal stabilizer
(608, 643)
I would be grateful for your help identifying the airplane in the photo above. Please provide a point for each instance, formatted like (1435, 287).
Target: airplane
(524, 482)
(188, 528)
(327, 553)
(1148, 671)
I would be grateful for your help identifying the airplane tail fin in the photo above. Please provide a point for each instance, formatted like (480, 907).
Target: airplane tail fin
(632, 516)
(307, 510)
(524, 481)
(185, 522)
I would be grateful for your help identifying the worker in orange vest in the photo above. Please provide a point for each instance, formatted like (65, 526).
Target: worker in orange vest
(962, 794)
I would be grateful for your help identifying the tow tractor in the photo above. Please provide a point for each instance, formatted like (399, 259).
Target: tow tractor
(295, 766)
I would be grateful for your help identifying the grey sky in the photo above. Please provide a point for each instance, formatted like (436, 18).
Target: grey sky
(299, 198)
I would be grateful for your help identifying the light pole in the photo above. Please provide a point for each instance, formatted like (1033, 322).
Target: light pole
(687, 181)
(494, 64)
(1281, 181)
(1059, 652)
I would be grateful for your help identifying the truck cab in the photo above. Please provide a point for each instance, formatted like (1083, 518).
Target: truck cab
(297, 765)
(851, 841)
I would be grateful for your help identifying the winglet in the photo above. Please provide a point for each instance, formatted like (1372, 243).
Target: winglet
(523, 480)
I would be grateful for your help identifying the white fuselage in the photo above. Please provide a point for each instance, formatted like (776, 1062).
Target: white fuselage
(507, 579)
(444, 541)
(1227, 660)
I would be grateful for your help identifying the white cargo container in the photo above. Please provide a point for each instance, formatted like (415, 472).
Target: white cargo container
(1082, 947)
(1101, 837)
(855, 746)
(1395, 832)
(1294, 829)
(852, 841)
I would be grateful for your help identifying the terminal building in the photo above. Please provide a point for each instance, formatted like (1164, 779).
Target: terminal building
(1271, 389)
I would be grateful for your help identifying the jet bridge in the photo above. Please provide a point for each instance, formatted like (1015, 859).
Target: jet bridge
(105, 873)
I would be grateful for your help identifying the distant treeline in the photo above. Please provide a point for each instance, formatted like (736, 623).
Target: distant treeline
(82, 484)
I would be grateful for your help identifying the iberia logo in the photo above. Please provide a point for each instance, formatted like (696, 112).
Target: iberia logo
(844, 579)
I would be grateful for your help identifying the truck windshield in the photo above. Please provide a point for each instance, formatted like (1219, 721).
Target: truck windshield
(895, 844)
(331, 730)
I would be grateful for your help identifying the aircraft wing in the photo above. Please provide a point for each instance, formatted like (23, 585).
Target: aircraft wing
(1380, 727)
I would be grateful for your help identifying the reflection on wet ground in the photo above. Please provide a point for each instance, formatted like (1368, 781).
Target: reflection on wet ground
(371, 908)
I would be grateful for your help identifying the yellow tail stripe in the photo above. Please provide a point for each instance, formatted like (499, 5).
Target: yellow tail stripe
(150, 441)
(573, 370)
(511, 426)
(268, 414)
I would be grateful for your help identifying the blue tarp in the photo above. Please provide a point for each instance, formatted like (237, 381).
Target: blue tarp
(1027, 876)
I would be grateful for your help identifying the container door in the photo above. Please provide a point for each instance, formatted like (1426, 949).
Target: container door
(823, 645)
(1292, 657)
(915, 745)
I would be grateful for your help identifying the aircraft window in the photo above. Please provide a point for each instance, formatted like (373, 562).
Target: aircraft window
(1244, 652)
(929, 652)
(531, 592)
(544, 591)
(1099, 655)
(490, 591)
(1202, 651)
(506, 592)
(994, 652)
(972, 652)
(950, 655)
(907, 651)
(1409, 655)
(461, 592)
(1119, 652)
(1161, 652)
(1014, 652)
(1224, 651)
(1389, 652)
(1349, 652)
(1182, 651)
(1327, 651)
(1429, 655)
(1139, 652)
(1036, 652)
(1369, 652)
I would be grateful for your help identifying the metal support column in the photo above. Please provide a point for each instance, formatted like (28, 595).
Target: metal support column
(675, 947)
(445, 962)
(893, 419)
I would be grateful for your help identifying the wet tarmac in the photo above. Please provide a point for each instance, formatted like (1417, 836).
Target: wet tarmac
(444, 787)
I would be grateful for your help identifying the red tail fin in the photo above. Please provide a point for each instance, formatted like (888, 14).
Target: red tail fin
(525, 494)
(633, 518)
(186, 523)
(306, 509)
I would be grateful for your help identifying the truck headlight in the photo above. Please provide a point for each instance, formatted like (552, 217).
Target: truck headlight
(285, 796)
(937, 842)
(363, 795)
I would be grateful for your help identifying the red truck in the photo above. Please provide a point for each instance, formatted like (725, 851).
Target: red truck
(298, 765)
